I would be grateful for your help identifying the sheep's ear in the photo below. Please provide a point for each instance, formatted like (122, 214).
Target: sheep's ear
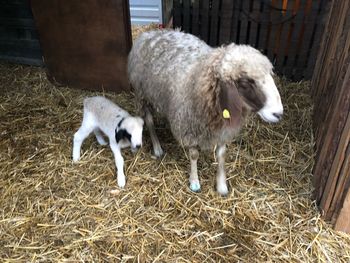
(230, 102)
(251, 93)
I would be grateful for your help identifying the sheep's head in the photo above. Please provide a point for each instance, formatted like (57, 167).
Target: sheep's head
(251, 73)
(130, 129)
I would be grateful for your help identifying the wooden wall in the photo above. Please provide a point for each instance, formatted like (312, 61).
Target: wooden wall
(287, 31)
(331, 94)
(19, 41)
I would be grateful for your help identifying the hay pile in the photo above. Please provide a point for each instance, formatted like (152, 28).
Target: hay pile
(54, 211)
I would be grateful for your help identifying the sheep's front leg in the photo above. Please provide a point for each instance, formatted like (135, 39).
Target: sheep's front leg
(119, 162)
(221, 185)
(158, 151)
(194, 181)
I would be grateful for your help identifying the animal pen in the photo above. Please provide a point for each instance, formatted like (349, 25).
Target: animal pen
(55, 211)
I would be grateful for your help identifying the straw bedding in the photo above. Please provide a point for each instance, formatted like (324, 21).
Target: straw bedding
(56, 211)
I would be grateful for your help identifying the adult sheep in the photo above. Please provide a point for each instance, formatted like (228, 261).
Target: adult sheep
(204, 92)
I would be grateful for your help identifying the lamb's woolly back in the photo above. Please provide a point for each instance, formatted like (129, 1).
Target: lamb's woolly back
(104, 110)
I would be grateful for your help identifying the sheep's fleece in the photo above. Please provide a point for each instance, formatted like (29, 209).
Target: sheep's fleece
(204, 92)
(175, 73)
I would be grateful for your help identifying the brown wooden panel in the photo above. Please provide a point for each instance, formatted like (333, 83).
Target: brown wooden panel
(343, 222)
(85, 43)
(331, 94)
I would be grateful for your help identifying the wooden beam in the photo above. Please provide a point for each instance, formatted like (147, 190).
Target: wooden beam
(343, 221)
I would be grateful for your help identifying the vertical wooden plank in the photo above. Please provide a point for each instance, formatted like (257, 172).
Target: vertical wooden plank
(322, 55)
(331, 92)
(320, 26)
(214, 23)
(244, 22)
(226, 13)
(177, 14)
(195, 18)
(276, 18)
(309, 33)
(296, 35)
(340, 172)
(186, 10)
(337, 135)
(235, 28)
(327, 77)
(285, 36)
(205, 21)
(264, 26)
(343, 222)
(254, 23)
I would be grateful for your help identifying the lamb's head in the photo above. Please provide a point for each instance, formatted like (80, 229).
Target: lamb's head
(251, 73)
(130, 129)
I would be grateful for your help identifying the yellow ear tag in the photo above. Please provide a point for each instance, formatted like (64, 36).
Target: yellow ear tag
(226, 114)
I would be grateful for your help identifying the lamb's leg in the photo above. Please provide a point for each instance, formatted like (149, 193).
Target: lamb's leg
(158, 151)
(99, 137)
(221, 185)
(79, 137)
(119, 162)
(194, 181)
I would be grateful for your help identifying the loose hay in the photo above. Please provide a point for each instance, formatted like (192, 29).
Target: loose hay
(53, 210)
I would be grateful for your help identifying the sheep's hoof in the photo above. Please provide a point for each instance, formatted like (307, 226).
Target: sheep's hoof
(195, 187)
(158, 153)
(222, 190)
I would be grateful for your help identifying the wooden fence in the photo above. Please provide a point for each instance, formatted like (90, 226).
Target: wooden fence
(19, 40)
(331, 93)
(287, 31)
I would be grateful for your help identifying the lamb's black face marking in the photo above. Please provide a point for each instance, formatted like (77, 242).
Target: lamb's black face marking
(122, 134)
(120, 122)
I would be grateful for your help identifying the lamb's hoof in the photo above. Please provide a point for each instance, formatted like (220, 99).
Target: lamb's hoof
(222, 190)
(195, 187)
(121, 181)
(75, 159)
(102, 143)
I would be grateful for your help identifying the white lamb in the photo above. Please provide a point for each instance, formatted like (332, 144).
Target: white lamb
(122, 129)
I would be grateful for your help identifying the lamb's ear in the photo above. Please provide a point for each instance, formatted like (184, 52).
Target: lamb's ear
(140, 120)
(122, 134)
(230, 102)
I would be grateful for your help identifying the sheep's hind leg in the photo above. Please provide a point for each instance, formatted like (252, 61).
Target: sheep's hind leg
(158, 151)
(99, 137)
(221, 185)
(194, 181)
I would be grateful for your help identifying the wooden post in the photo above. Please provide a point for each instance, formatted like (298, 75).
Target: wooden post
(331, 93)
